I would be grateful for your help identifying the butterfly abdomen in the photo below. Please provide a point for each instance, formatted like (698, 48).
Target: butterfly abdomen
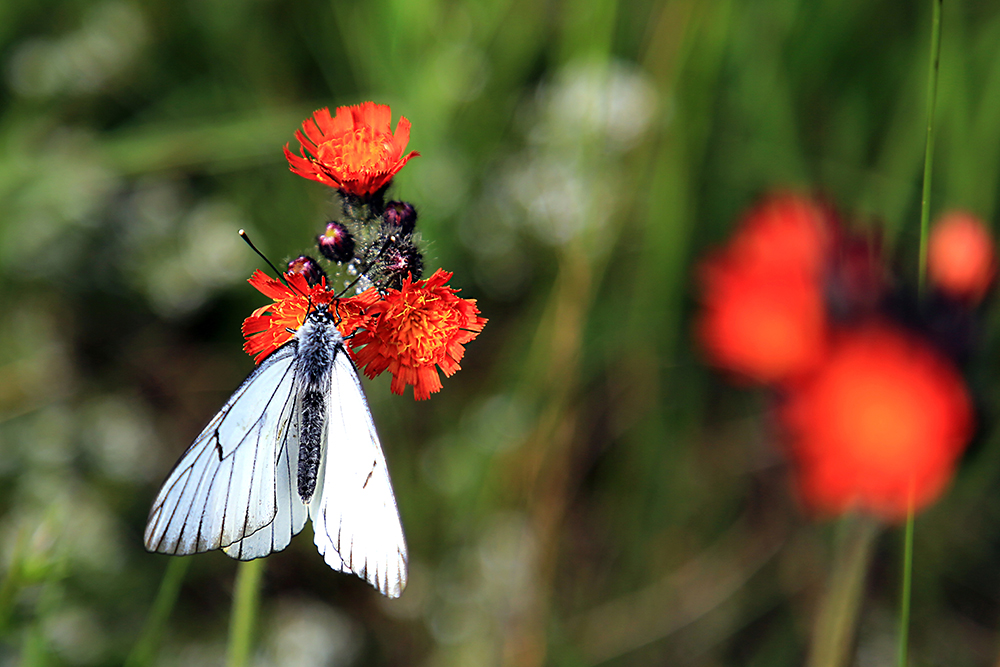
(318, 340)
(310, 439)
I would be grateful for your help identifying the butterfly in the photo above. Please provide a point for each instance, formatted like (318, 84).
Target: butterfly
(295, 441)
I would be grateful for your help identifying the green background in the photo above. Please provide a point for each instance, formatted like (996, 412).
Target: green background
(584, 491)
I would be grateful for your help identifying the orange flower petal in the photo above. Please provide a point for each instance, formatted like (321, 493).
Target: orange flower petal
(271, 326)
(785, 231)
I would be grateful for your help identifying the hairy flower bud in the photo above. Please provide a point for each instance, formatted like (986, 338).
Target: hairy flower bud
(399, 260)
(308, 268)
(336, 243)
(400, 218)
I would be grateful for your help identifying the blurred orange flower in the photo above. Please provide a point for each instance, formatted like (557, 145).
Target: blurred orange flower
(961, 259)
(878, 426)
(785, 231)
(355, 151)
(413, 331)
(763, 312)
(765, 325)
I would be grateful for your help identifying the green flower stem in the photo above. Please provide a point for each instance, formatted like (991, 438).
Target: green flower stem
(904, 612)
(833, 634)
(145, 649)
(14, 579)
(246, 599)
(933, 68)
(932, 81)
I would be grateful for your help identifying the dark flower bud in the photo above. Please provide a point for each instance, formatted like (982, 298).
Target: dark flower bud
(400, 218)
(400, 260)
(336, 243)
(308, 268)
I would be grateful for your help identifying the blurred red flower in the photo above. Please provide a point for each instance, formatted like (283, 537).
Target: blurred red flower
(785, 231)
(763, 312)
(879, 425)
(765, 325)
(355, 151)
(961, 259)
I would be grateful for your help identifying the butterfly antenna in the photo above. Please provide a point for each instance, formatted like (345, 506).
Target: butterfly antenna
(281, 276)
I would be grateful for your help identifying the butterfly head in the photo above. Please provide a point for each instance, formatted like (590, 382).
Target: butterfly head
(325, 313)
(320, 327)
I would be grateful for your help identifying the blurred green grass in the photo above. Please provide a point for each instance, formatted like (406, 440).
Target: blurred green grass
(584, 491)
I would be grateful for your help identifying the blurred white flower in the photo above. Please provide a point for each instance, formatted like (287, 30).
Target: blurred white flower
(612, 102)
(179, 256)
(45, 217)
(480, 588)
(308, 633)
(566, 182)
(85, 61)
(75, 634)
(118, 433)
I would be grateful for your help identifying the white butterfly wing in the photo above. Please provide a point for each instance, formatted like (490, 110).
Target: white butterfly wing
(354, 514)
(224, 488)
(291, 513)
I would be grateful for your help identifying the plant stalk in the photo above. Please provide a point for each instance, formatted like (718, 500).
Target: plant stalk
(833, 634)
(145, 649)
(932, 81)
(933, 69)
(246, 600)
(904, 611)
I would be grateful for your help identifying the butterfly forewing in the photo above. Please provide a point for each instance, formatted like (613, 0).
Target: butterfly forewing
(355, 519)
(291, 512)
(223, 489)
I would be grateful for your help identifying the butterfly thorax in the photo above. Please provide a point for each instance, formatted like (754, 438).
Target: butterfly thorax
(319, 342)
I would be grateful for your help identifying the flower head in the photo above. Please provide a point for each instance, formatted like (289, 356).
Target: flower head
(961, 259)
(413, 331)
(764, 314)
(879, 426)
(765, 325)
(401, 259)
(785, 231)
(271, 326)
(354, 151)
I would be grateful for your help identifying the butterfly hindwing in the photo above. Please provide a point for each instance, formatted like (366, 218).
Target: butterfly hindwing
(224, 487)
(354, 514)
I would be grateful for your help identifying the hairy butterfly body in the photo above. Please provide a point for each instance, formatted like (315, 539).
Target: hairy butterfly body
(295, 441)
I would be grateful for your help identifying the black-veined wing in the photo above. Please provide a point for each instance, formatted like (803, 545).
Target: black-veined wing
(225, 487)
(354, 514)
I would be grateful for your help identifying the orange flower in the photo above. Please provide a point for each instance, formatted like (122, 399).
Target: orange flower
(785, 231)
(413, 331)
(764, 314)
(355, 151)
(878, 426)
(768, 326)
(961, 260)
(271, 326)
